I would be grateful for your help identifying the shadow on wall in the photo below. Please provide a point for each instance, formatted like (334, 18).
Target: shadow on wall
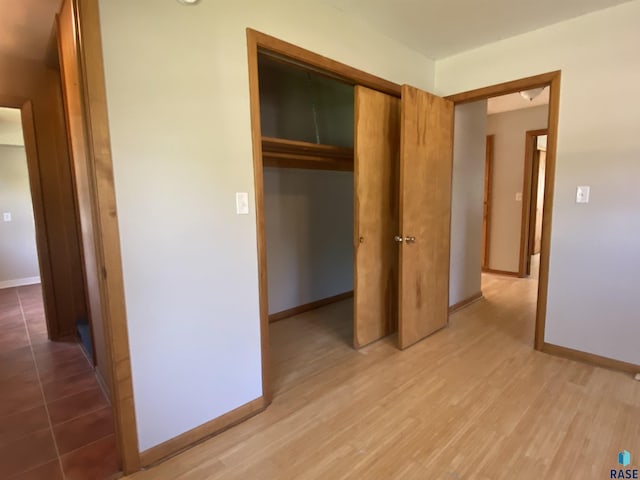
(309, 231)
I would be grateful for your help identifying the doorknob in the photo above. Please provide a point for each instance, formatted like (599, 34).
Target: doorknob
(410, 239)
(398, 238)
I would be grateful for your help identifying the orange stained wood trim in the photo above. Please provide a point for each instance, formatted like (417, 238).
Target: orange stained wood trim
(261, 239)
(589, 358)
(266, 44)
(552, 80)
(505, 88)
(527, 180)
(271, 45)
(76, 140)
(547, 212)
(281, 145)
(290, 312)
(488, 186)
(103, 196)
(35, 184)
(203, 432)
(281, 153)
(465, 303)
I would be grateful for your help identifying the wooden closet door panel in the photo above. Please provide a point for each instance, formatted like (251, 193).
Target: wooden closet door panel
(377, 147)
(425, 214)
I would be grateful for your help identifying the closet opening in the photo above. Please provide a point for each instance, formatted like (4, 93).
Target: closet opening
(352, 181)
(307, 124)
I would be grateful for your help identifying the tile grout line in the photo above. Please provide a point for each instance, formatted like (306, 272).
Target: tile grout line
(89, 412)
(44, 399)
(112, 434)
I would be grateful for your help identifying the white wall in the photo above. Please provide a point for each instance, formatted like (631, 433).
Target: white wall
(593, 288)
(11, 127)
(178, 103)
(18, 254)
(467, 199)
(309, 229)
(510, 130)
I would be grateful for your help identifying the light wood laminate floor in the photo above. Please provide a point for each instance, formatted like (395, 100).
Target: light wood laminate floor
(474, 401)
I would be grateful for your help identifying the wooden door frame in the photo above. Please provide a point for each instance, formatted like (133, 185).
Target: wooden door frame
(488, 188)
(266, 44)
(103, 202)
(25, 105)
(552, 80)
(527, 192)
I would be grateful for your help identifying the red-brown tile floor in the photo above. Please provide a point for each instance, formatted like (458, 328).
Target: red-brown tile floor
(55, 421)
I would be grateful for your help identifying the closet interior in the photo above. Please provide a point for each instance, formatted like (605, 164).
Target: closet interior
(307, 148)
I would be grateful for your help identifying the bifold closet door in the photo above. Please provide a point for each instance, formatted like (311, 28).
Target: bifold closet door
(376, 167)
(425, 214)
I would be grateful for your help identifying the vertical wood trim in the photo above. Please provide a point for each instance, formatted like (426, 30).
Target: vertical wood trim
(488, 186)
(553, 80)
(547, 210)
(76, 141)
(258, 180)
(533, 216)
(64, 75)
(527, 191)
(37, 201)
(108, 237)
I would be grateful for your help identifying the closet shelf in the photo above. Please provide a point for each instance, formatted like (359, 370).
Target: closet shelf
(278, 152)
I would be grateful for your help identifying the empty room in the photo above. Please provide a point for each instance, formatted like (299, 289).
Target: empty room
(306, 243)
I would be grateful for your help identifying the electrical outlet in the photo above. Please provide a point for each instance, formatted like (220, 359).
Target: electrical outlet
(6, 216)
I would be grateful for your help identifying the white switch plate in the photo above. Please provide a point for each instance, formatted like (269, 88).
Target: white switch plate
(582, 194)
(6, 216)
(519, 197)
(242, 203)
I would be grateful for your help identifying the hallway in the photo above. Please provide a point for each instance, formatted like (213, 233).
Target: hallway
(55, 421)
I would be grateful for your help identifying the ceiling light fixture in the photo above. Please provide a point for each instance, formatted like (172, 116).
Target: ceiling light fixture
(188, 2)
(531, 94)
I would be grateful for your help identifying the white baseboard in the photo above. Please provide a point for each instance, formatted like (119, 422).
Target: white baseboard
(19, 282)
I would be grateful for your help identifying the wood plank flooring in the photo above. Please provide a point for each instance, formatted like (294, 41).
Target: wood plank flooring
(473, 401)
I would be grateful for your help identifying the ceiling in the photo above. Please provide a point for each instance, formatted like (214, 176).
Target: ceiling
(10, 127)
(440, 28)
(515, 101)
(435, 28)
(26, 28)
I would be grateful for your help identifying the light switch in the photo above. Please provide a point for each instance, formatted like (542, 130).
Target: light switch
(6, 216)
(582, 194)
(242, 203)
(519, 197)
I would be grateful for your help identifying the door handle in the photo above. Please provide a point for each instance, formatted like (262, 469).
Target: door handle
(410, 239)
(398, 238)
